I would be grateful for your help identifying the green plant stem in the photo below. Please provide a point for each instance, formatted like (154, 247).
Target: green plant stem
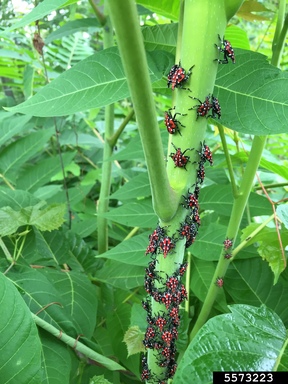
(233, 227)
(113, 140)
(103, 203)
(77, 345)
(130, 43)
(228, 160)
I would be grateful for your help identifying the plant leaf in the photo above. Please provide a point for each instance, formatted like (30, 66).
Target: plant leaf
(94, 82)
(72, 27)
(21, 150)
(139, 214)
(20, 358)
(250, 281)
(247, 337)
(131, 251)
(56, 360)
(37, 13)
(248, 88)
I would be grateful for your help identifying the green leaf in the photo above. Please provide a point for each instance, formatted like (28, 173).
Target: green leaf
(133, 339)
(167, 8)
(35, 176)
(22, 150)
(250, 282)
(78, 297)
(121, 275)
(131, 251)
(20, 358)
(72, 27)
(28, 77)
(99, 380)
(16, 199)
(219, 198)
(269, 247)
(56, 360)
(47, 219)
(252, 94)
(96, 81)
(209, 241)
(138, 214)
(37, 13)
(247, 337)
(137, 187)
(11, 125)
(160, 37)
(71, 297)
(282, 213)
(201, 275)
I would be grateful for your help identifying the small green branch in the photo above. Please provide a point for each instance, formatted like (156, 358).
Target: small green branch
(100, 16)
(228, 160)
(77, 345)
(130, 42)
(113, 139)
(103, 203)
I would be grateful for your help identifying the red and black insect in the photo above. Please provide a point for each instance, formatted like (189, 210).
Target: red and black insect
(227, 49)
(179, 158)
(177, 76)
(172, 283)
(154, 240)
(172, 124)
(227, 256)
(203, 108)
(181, 270)
(174, 68)
(216, 109)
(228, 243)
(219, 282)
(171, 371)
(196, 190)
(167, 244)
(146, 374)
(200, 172)
(160, 322)
(206, 154)
(188, 230)
(167, 337)
(190, 202)
(167, 299)
(196, 217)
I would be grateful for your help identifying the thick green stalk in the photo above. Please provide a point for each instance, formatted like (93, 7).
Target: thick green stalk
(130, 42)
(244, 191)
(77, 345)
(233, 227)
(103, 203)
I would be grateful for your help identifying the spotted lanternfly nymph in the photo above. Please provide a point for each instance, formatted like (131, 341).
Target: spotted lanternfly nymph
(172, 124)
(227, 50)
(219, 282)
(167, 244)
(179, 158)
(228, 243)
(190, 201)
(177, 76)
(216, 109)
(206, 154)
(203, 108)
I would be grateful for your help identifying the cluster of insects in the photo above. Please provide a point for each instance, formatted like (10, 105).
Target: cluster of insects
(162, 329)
